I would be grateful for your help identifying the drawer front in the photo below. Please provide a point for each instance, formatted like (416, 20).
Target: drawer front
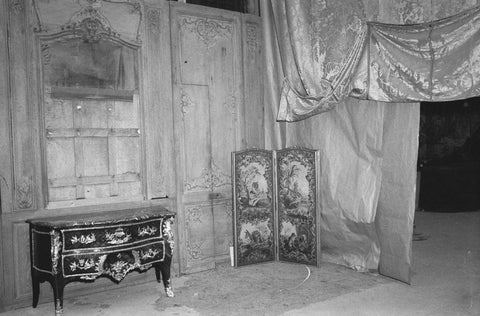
(111, 235)
(113, 263)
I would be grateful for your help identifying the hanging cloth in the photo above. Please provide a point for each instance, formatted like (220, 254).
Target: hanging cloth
(436, 61)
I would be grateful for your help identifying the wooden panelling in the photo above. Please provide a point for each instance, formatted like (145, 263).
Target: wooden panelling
(23, 149)
(253, 70)
(196, 136)
(21, 260)
(208, 109)
(199, 248)
(157, 100)
(223, 223)
(165, 142)
(6, 172)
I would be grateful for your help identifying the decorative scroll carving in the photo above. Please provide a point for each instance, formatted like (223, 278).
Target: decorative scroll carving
(85, 240)
(90, 24)
(207, 30)
(153, 18)
(55, 250)
(186, 102)
(147, 231)
(24, 194)
(45, 53)
(16, 6)
(118, 237)
(209, 179)
(194, 250)
(252, 37)
(231, 103)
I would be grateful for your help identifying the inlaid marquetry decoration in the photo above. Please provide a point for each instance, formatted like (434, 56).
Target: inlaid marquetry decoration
(297, 205)
(209, 31)
(118, 237)
(83, 239)
(253, 200)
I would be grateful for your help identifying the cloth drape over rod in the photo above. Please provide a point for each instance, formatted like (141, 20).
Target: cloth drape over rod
(436, 61)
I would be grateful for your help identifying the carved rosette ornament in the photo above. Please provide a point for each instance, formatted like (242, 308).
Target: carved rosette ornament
(209, 31)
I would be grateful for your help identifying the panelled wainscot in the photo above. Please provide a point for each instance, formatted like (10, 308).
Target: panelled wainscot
(98, 116)
(85, 247)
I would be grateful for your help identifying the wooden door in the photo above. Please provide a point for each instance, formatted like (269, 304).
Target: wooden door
(208, 106)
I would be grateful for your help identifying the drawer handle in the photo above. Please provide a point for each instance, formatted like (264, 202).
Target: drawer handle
(118, 237)
(84, 240)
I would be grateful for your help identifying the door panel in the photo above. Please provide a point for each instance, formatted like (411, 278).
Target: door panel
(199, 246)
(208, 96)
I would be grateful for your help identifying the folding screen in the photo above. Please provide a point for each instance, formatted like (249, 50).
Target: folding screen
(275, 203)
(296, 202)
(253, 206)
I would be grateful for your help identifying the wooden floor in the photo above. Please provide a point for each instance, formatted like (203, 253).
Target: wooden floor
(446, 281)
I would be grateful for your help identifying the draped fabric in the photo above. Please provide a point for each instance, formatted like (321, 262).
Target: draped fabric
(319, 44)
(437, 61)
(368, 150)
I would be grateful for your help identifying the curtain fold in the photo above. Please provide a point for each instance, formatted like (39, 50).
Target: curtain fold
(318, 58)
(436, 61)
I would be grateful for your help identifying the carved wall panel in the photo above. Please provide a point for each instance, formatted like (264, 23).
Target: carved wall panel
(123, 16)
(21, 258)
(199, 248)
(22, 113)
(253, 69)
(208, 108)
(223, 221)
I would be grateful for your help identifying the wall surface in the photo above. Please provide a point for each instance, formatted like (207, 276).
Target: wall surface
(184, 100)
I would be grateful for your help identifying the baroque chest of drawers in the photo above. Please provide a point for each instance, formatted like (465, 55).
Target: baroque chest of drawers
(87, 246)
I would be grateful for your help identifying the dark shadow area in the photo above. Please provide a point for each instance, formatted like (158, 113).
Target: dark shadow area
(449, 156)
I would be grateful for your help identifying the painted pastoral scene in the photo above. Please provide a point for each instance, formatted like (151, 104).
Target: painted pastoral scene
(297, 218)
(253, 207)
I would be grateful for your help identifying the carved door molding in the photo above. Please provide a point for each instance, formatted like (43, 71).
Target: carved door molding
(208, 102)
